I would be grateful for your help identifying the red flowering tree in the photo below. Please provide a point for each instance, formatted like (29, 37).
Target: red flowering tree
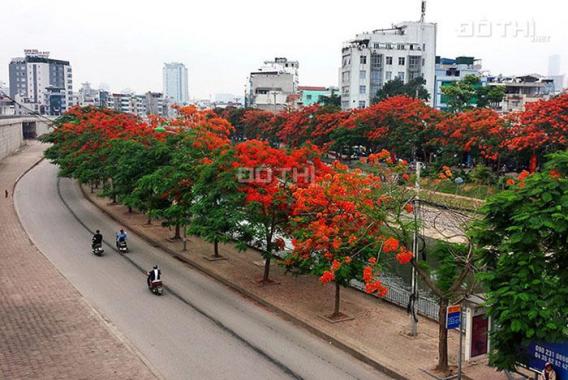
(478, 132)
(268, 177)
(341, 222)
(261, 125)
(542, 128)
(399, 124)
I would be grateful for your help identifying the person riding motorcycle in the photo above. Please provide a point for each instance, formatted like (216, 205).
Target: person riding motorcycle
(97, 239)
(120, 237)
(154, 275)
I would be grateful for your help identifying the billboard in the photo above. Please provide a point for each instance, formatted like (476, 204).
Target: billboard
(555, 353)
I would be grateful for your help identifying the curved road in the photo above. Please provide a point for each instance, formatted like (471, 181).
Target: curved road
(199, 329)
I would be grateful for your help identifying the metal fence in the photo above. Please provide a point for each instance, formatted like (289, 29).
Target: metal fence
(398, 293)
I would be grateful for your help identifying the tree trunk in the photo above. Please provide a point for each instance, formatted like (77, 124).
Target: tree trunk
(533, 163)
(266, 269)
(337, 300)
(177, 234)
(216, 249)
(442, 336)
(267, 258)
(149, 220)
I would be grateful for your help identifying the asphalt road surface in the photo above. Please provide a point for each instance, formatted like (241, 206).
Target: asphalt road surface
(199, 329)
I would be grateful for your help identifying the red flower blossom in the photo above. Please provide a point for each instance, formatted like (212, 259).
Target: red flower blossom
(326, 277)
(391, 245)
(404, 256)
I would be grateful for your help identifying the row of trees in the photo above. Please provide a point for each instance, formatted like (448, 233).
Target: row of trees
(411, 129)
(188, 173)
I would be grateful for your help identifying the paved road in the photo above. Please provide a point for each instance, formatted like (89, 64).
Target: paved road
(199, 329)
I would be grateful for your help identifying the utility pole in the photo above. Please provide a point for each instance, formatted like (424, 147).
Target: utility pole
(423, 11)
(414, 284)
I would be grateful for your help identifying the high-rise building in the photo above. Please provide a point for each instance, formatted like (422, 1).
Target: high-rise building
(274, 86)
(175, 82)
(40, 83)
(554, 63)
(405, 51)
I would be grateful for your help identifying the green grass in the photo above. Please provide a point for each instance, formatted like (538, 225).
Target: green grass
(470, 190)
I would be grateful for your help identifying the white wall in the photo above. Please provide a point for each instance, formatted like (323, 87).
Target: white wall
(11, 137)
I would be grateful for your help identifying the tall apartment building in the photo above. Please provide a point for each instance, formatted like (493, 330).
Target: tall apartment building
(450, 70)
(40, 83)
(554, 64)
(274, 86)
(405, 51)
(175, 82)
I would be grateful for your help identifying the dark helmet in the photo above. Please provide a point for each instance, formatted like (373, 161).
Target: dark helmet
(98, 232)
(121, 230)
(155, 267)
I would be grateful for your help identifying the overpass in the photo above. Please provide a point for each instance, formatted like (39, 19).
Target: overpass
(15, 130)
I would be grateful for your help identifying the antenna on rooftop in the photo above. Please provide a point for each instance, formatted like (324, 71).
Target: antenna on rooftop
(423, 11)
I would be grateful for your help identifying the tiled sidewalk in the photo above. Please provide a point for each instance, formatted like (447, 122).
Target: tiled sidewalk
(47, 330)
(378, 330)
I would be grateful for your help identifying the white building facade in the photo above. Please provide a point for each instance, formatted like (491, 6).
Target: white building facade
(175, 83)
(274, 86)
(40, 83)
(405, 51)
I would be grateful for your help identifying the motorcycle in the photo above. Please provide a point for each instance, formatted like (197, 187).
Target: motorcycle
(122, 247)
(156, 287)
(97, 249)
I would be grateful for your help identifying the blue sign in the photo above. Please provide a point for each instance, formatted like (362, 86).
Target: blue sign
(553, 353)
(453, 317)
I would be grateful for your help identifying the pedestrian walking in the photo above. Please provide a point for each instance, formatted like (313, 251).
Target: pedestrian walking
(6, 193)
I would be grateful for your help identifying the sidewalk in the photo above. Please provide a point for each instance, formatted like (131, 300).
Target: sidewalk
(375, 335)
(47, 330)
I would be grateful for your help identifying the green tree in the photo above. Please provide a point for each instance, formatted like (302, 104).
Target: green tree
(413, 89)
(470, 93)
(330, 103)
(524, 235)
(218, 208)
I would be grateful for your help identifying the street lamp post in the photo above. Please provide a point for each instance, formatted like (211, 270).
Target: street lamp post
(414, 284)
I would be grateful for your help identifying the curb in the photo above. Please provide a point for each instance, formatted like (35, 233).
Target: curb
(244, 292)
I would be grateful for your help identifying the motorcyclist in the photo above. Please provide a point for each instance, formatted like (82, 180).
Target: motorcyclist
(120, 236)
(97, 239)
(154, 274)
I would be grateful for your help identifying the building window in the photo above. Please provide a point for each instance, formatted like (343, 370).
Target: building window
(400, 47)
(375, 76)
(346, 76)
(389, 60)
(363, 59)
(363, 74)
(361, 104)
(401, 75)
(401, 61)
(388, 76)
(362, 90)
(309, 97)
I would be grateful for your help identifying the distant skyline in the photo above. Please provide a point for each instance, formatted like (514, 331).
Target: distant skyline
(125, 44)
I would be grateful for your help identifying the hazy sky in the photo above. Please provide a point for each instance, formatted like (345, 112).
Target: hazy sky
(124, 43)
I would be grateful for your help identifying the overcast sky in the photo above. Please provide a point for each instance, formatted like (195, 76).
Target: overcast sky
(124, 43)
